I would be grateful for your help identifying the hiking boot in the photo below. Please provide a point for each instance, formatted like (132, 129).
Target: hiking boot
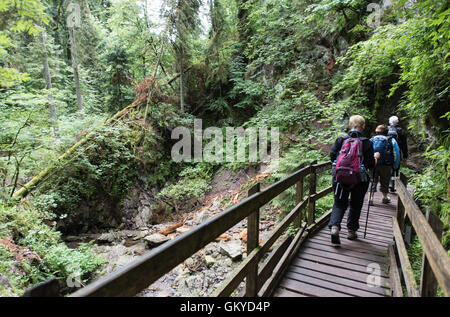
(335, 235)
(386, 200)
(352, 235)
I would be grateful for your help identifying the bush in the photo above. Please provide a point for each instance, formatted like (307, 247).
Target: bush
(193, 183)
(31, 251)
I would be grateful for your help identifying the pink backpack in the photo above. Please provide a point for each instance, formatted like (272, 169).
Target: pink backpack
(349, 162)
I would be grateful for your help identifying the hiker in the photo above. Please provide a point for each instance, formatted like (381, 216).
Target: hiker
(399, 135)
(387, 151)
(353, 156)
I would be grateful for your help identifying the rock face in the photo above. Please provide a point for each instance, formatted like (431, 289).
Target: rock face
(137, 207)
(143, 216)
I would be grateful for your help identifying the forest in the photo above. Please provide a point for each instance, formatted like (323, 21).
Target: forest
(91, 92)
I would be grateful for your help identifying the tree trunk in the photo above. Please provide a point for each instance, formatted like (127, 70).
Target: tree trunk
(75, 68)
(181, 84)
(243, 29)
(48, 81)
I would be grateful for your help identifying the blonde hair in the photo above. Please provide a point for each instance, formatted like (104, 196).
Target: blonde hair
(357, 123)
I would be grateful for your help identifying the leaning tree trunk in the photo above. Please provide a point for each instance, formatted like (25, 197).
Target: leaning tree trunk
(75, 68)
(22, 192)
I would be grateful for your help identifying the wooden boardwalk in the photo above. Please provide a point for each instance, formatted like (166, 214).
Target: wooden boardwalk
(307, 264)
(323, 270)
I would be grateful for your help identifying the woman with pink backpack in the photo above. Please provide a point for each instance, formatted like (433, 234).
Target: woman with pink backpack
(353, 157)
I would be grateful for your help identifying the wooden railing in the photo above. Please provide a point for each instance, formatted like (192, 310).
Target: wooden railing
(136, 276)
(435, 261)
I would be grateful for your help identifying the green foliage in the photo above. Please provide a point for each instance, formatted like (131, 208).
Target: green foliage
(18, 16)
(193, 183)
(47, 257)
(63, 262)
(185, 189)
(433, 184)
(262, 64)
(120, 92)
(407, 59)
(249, 93)
(103, 169)
(299, 154)
(291, 111)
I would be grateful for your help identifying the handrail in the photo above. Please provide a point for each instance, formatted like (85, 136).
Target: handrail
(434, 252)
(136, 276)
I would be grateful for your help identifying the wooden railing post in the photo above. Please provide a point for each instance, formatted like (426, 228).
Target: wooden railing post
(400, 208)
(428, 284)
(312, 191)
(299, 194)
(252, 243)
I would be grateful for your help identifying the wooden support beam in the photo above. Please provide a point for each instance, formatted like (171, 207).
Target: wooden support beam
(299, 194)
(436, 254)
(270, 284)
(400, 208)
(290, 253)
(312, 191)
(394, 274)
(272, 260)
(233, 281)
(252, 243)
(408, 274)
(322, 193)
(428, 282)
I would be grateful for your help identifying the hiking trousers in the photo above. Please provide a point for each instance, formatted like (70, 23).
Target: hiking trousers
(383, 175)
(343, 198)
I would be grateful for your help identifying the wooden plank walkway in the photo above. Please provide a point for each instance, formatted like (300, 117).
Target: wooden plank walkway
(320, 269)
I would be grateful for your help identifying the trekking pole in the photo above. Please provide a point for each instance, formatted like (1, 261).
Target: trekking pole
(370, 196)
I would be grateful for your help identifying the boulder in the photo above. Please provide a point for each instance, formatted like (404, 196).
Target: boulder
(209, 260)
(231, 249)
(155, 239)
(107, 237)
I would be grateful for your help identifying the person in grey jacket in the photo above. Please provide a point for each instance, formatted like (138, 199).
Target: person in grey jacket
(399, 135)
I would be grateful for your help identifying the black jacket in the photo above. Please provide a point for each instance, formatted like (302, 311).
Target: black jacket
(368, 159)
(401, 140)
